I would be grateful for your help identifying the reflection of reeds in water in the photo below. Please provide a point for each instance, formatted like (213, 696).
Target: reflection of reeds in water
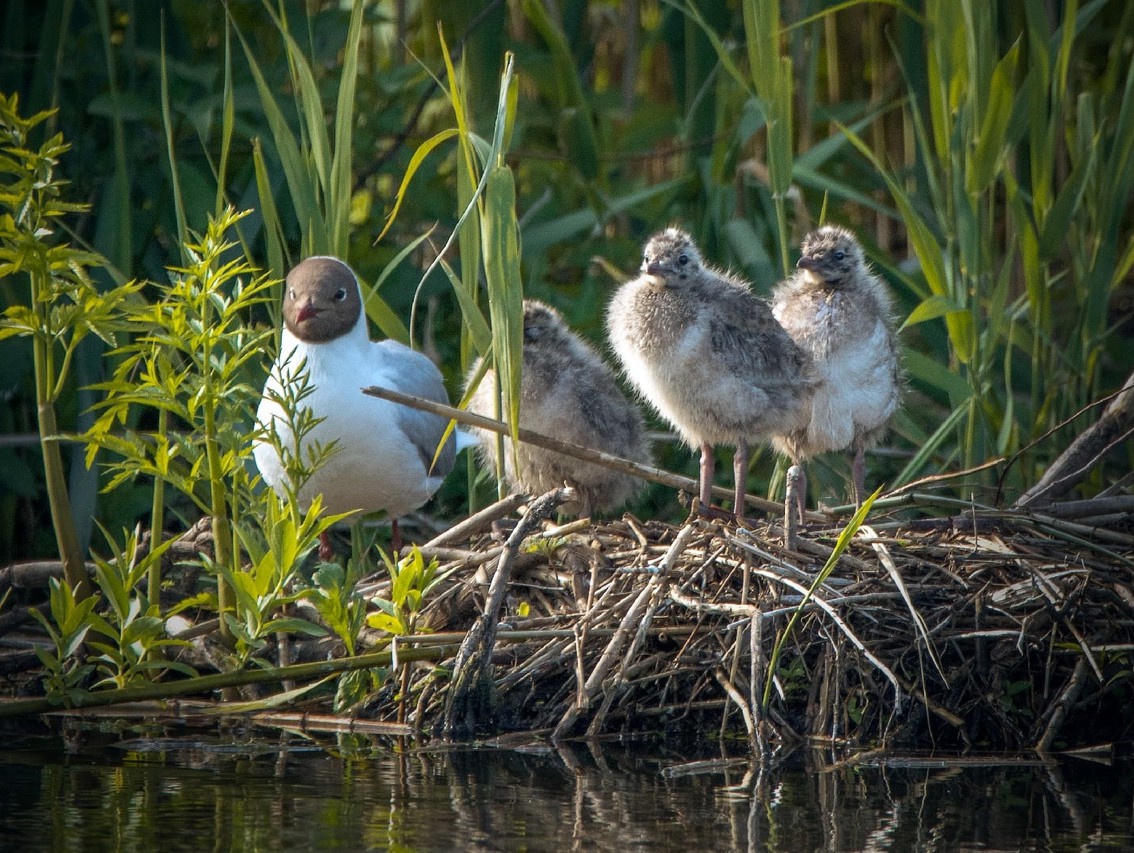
(284, 793)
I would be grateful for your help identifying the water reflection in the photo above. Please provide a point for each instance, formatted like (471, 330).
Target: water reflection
(290, 794)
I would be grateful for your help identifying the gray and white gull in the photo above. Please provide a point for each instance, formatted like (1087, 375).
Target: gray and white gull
(383, 454)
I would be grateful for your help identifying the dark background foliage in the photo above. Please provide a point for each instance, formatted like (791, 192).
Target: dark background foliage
(629, 121)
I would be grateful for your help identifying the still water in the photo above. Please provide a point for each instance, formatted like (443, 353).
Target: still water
(355, 793)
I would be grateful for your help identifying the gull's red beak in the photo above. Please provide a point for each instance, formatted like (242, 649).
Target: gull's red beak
(306, 311)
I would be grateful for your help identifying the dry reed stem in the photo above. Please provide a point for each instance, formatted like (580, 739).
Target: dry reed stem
(598, 674)
(469, 703)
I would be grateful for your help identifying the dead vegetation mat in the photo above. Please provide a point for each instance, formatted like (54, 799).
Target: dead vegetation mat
(983, 629)
(938, 626)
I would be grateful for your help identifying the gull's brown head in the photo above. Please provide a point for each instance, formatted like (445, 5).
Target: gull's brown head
(322, 300)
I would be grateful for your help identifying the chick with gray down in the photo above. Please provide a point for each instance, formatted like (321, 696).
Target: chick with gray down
(841, 314)
(566, 392)
(708, 355)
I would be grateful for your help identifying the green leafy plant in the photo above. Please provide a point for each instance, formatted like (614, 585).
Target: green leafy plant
(63, 307)
(343, 610)
(412, 579)
(130, 637)
(1004, 137)
(65, 672)
(338, 605)
(197, 357)
(276, 544)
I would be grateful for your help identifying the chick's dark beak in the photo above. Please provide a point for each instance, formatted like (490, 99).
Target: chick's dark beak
(808, 263)
(655, 268)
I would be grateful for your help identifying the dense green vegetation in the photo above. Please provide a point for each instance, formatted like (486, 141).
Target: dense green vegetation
(984, 152)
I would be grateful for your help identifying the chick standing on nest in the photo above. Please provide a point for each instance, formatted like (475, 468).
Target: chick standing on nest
(840, 313)
(708, 355)
(566, 392)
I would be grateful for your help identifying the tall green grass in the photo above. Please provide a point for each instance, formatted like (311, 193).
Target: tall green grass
(983, 152)
(1016, 215)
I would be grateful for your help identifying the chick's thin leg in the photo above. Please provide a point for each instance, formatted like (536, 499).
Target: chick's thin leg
(858, 474)
(740, 478)
(795, 502)
(707, 465)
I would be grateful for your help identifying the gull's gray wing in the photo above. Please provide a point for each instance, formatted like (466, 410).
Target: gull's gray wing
(411, 372)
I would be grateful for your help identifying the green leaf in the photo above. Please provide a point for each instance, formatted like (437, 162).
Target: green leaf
(991, 142)
(928, 309)
(424, 150)
(293, 625)
(1067, 203)
(579, 129)
(385, 622)
(300, 180)
(175, 179)
(474, 321)
(274, 239)
(501, 251)
(339, 190)
(936, 374)
(841, 544)
(920, 461)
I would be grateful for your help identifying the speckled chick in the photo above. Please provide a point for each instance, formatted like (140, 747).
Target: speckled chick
(708, 355)
(566, 392)
(383, 456)
(841, 314)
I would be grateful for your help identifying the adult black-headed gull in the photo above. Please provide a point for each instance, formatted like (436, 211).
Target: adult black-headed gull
(708, 355)
(383, 456)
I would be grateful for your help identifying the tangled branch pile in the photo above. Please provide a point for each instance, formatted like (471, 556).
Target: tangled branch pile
(991, 629)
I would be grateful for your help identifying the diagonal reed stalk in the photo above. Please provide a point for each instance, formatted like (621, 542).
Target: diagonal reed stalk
(841, 544)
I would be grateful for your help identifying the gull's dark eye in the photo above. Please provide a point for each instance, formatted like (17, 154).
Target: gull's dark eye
(683, 259)
(340, 294)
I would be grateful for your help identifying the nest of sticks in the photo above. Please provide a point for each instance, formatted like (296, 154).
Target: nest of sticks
(982, 628)
(938, 624)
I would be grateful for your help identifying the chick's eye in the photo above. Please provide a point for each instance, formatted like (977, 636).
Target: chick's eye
(340, 295)
(683, 259)
(839, 255)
